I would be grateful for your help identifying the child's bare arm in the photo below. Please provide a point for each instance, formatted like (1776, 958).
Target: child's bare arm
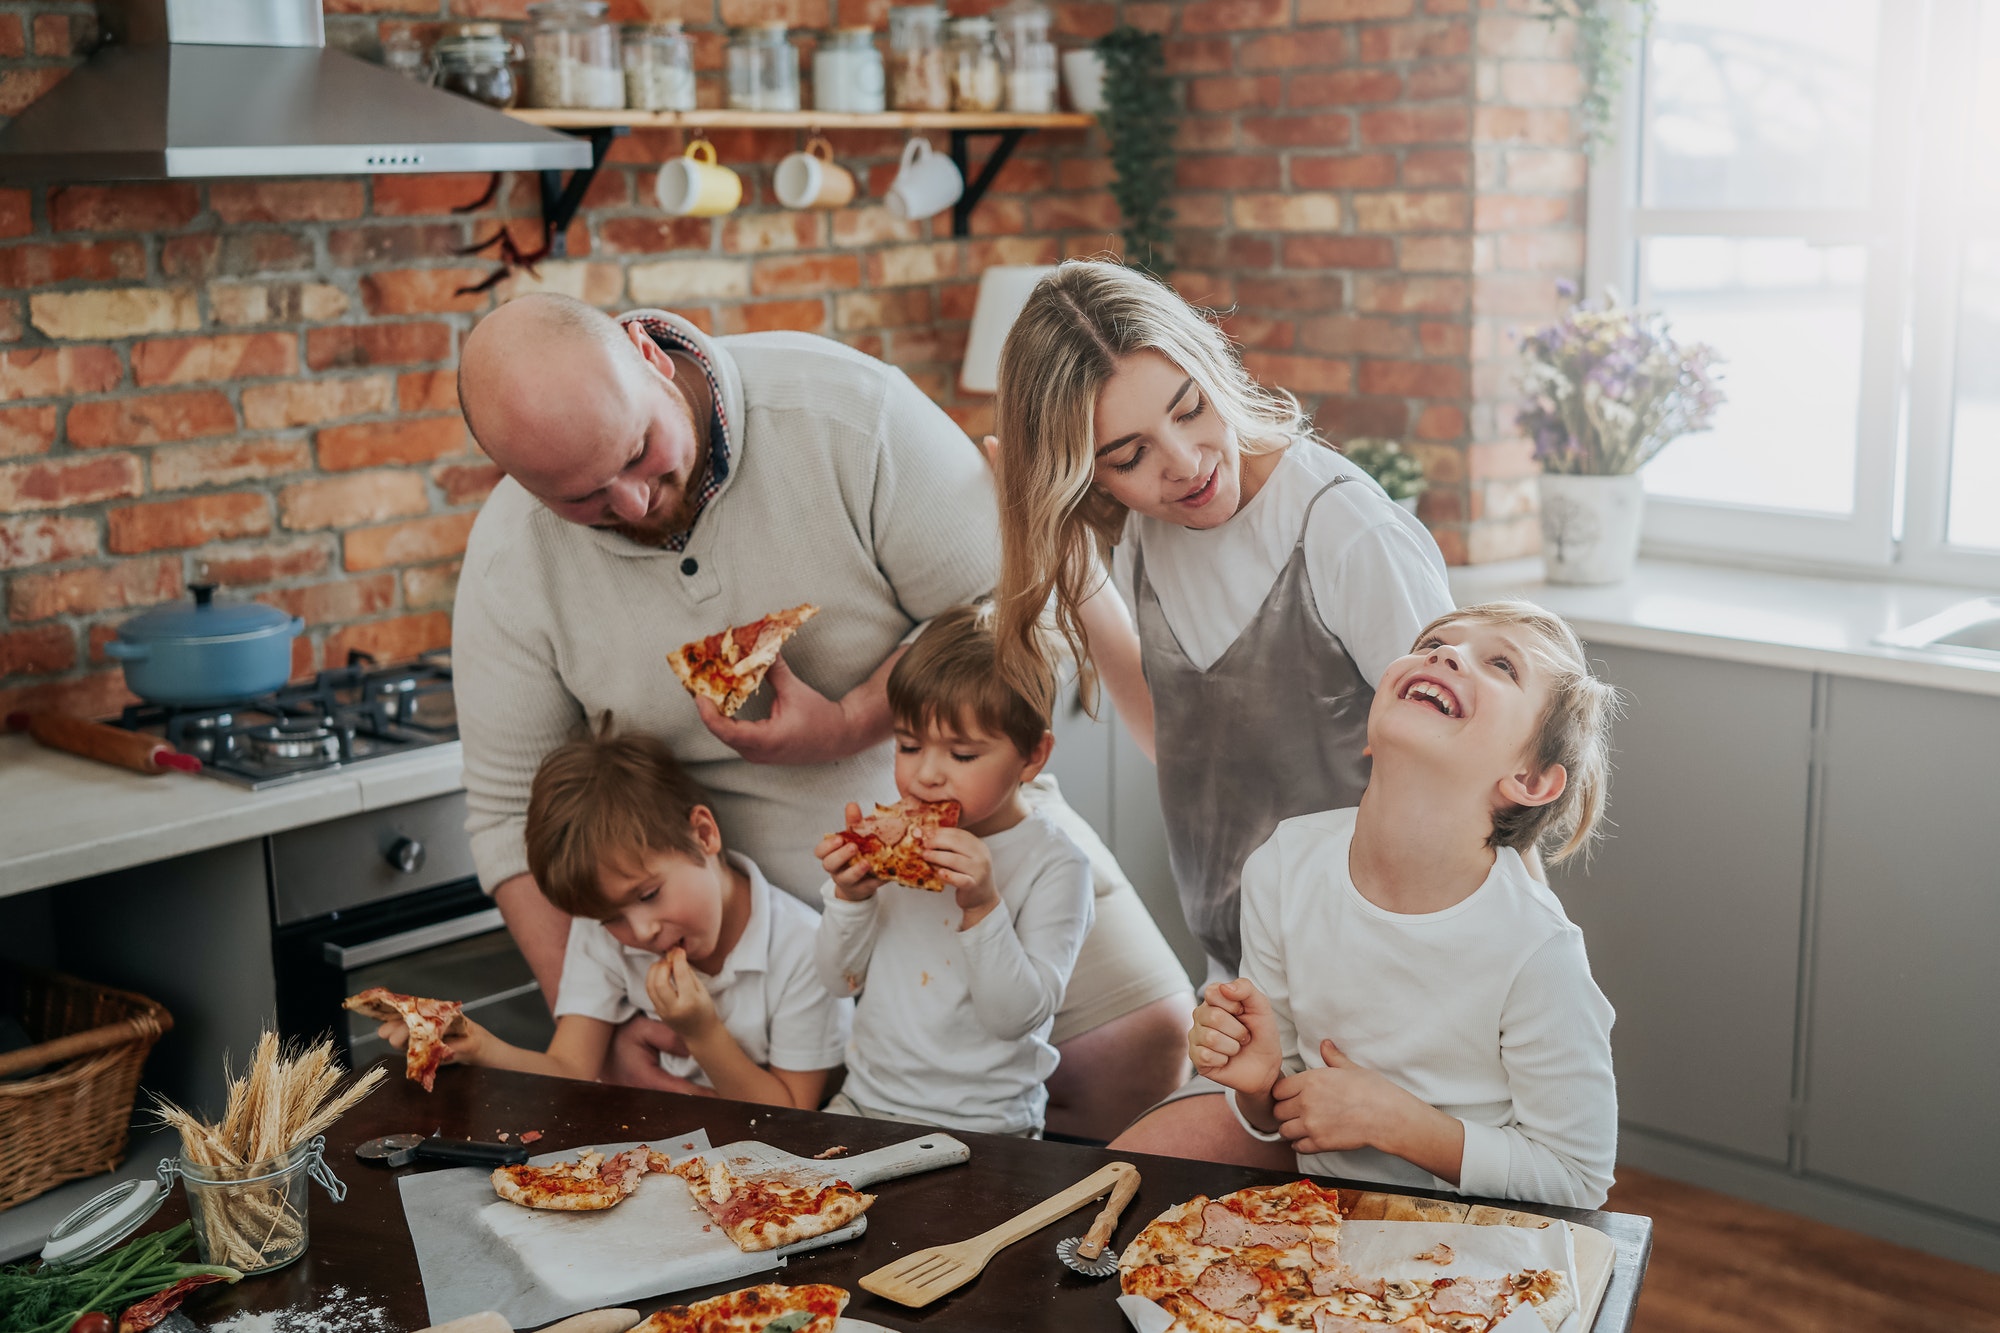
(576, 1051)
(684, 1004)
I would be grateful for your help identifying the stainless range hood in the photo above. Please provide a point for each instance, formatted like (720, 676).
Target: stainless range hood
(191, 88)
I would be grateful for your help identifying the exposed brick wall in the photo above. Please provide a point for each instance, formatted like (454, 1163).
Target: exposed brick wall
(257, 376)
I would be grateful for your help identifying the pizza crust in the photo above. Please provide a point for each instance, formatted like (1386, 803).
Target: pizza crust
(766, 1212)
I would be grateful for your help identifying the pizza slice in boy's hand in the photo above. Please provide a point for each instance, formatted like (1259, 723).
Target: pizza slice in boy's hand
(771, 1308)
(429, 1022)
(727, 668)
(891, 841)
(767, 1211)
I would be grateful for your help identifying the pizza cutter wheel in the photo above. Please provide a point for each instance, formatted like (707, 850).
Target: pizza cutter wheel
(1086, 1254)
(394, 1150)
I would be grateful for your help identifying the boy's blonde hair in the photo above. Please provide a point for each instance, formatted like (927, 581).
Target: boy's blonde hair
(1077, 325)
(951, 673)
(605, 800)
(1575, 731)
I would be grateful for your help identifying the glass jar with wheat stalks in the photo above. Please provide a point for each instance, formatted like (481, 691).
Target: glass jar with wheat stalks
(246, 1175)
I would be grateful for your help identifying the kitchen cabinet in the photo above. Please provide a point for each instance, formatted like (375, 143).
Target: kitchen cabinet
(1903, 1064)
(1691, 904)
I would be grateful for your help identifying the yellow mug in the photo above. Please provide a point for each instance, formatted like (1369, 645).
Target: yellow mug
(695, 185)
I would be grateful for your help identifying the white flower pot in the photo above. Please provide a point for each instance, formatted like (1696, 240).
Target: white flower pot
(1590, 526)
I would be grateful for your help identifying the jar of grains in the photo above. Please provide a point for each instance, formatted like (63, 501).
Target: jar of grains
(847, 72)
(1031, 57)
(477, 61)
(659, 68)
(763, 69)
(974, 60)
(573, 56)
(917, 79)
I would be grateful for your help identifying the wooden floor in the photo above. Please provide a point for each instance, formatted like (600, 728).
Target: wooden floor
(1724, 1266)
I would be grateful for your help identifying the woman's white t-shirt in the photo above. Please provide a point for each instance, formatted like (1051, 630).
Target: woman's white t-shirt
(1377, 576)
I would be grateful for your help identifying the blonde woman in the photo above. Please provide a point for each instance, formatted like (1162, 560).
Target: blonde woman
(1270, 583)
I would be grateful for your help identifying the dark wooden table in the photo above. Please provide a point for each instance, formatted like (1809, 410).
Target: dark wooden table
(364, 1245)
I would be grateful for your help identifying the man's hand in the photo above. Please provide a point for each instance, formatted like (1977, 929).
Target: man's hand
(964, 863)
(679, 997)
(634, 1061)
(1234, 1039)
(804, 726)
(842, 862)
(1343, 1107)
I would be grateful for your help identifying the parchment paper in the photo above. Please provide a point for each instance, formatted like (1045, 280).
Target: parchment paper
(1389, 1250)
(478, 1252)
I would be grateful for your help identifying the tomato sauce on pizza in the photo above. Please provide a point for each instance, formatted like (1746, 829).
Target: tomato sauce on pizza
(891, 841)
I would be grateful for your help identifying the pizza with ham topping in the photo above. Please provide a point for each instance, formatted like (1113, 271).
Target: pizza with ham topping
(891, 841)
(764, 1212)
(591, 1183)
(429, 1022)
(771, 1308)
(1268, 1259)
(726, 668)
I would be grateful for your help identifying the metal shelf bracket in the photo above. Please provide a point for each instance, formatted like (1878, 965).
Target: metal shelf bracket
(975, 190)
(560, 200)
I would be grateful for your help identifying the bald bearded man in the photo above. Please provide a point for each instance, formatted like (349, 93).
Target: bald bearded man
(662, 485)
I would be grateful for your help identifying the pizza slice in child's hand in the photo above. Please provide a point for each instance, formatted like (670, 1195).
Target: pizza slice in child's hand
(765, 1212)
(891, 841)
(770, 1308)
(429, 1022)
(727, 668)
(591, 1183)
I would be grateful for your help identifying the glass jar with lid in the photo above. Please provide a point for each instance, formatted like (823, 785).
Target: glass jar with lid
(573, 56)
(848, 73)
(763, 69)
(974, 58)
(403, 53)
(476, 61)
(659, 68)
(1030, 56)
(917, 77)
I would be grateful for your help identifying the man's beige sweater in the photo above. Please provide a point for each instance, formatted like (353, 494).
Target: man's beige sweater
(847, 488)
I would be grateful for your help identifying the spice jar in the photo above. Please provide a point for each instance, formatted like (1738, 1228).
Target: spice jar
(763, 69)
(847, 72)
(659, 68)
(974, 59)
(476, 62)
(1031, 57)
(573, 56)
(403, 53)
(917, 80)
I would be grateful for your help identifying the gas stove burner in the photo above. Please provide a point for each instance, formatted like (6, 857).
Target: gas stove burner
(295, 741)
(199, 733)
(394, 694)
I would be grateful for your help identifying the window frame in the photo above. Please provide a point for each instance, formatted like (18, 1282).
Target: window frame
(1911, 236)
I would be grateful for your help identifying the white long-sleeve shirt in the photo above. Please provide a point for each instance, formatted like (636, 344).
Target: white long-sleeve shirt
(952, 1027)
(1485, 1010)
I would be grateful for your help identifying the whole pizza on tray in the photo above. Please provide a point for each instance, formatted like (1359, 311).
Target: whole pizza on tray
(1268, 1259)
(727, 667)
(891, 841)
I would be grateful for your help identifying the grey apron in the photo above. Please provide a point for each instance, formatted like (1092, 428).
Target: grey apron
(1274, 728)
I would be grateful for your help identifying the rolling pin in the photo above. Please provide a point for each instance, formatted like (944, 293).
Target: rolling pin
(593, 1321)
(113, 745)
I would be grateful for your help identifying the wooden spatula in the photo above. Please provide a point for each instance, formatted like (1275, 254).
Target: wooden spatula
(920, 1278)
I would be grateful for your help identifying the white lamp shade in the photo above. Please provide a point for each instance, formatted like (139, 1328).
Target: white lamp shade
(1003, 290)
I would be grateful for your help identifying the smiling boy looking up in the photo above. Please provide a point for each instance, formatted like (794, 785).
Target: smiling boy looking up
(1415, 1007)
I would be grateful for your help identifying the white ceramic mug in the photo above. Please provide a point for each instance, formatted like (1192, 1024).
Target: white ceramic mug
(1083, 80)
(696, 185)
(928, 183)
(812, 179)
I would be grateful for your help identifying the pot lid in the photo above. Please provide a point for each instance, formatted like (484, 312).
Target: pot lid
(204, 619)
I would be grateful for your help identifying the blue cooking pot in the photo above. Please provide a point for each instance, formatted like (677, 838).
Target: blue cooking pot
(206, 652)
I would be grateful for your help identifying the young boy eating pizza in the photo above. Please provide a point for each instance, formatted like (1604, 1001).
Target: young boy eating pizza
(1415, 1007)
(960, 979)
(668, 923)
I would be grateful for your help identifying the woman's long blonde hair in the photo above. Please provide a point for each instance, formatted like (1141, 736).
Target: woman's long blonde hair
(1078, 325)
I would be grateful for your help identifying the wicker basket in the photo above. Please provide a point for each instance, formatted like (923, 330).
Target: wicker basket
(68, 1121)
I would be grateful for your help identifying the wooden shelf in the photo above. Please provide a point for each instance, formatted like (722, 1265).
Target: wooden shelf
(807, 120)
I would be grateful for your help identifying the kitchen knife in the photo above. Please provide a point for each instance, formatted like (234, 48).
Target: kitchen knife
(396, 1150)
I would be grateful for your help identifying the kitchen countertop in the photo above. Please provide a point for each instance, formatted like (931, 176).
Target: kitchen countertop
(1750, 616)
(363, 1245)
(67, 817)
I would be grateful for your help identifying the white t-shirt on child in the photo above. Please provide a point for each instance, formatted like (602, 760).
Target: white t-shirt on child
(952, 1027)
(1486, 1010)
(767, 994)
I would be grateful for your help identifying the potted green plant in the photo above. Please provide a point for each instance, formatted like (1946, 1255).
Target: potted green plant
(1140, 117)
(1603, 392)
(1397, 473)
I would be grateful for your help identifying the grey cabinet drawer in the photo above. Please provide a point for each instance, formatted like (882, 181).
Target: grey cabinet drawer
(340, 865)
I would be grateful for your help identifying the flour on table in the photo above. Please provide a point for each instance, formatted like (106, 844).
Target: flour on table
(338, 1313)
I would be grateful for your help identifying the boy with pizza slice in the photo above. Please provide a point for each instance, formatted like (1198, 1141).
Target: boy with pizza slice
(956, 915)
(1415, 1008)
(668, 923)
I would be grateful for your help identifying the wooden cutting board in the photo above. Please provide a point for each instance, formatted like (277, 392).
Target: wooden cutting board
(1595, 1252)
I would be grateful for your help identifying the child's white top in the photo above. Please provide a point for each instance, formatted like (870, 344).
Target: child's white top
(952, 1027)
(1486, 1010)
(1376, 574)
(768, 993)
